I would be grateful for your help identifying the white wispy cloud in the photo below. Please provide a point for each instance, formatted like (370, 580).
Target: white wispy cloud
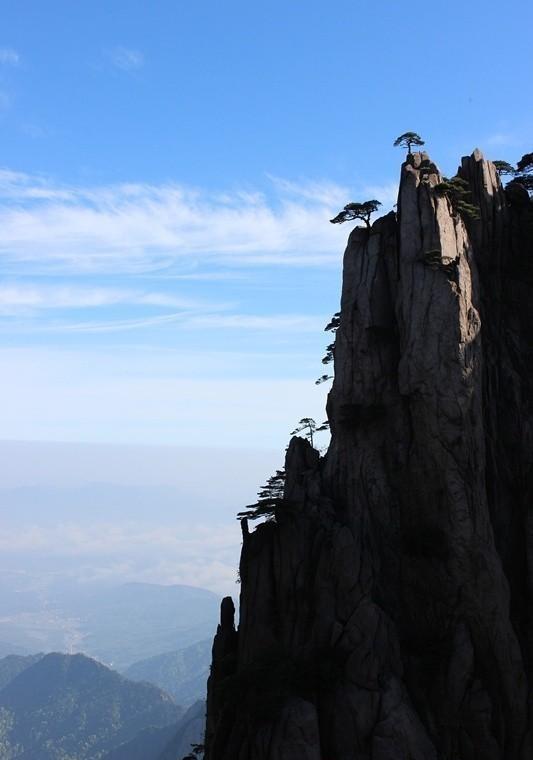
(227, 275)
(23, 298)
(9, 56)
(281, 322)
(126, 59)
(386, 194)
(19, 187)
(132, 228)
(213, 322)
(326, 193)
(115, 325)
(29, 300)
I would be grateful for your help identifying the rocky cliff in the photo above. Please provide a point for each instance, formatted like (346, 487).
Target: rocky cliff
(386, 612)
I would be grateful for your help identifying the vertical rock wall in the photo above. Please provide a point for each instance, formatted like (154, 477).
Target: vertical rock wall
(386, 613)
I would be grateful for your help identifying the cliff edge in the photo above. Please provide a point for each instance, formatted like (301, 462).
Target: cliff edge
(386, 612)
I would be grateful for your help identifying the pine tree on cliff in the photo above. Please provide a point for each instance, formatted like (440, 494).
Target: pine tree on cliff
(524, 173)
(407, 140)
(357, 211)
(525, 165)
(308, 426)
(269, 498)
(502, 167)
(458, 192)
(332, 326)
(330, 354)
(197, 751)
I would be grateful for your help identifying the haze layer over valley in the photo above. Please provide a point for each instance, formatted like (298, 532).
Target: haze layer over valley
(80, 521)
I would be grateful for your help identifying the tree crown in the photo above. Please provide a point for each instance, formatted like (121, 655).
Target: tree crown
(408, 139)
(353, 211)
(310, 427)
(270, 496)
(330, 354)
(502, 167)
(526, 180)
(525, 165)
(333, 324)
(457, 190)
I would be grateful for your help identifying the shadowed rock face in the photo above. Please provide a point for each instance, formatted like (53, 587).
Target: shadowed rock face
(386, 615)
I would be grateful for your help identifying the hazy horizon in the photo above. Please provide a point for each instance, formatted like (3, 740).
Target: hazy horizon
(127, 513)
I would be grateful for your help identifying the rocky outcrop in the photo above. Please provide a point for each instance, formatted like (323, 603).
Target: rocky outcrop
(386, 613)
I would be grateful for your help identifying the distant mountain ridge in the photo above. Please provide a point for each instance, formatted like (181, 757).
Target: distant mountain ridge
(183, 674)
(70, 707)
(168, 743)
(13, 664)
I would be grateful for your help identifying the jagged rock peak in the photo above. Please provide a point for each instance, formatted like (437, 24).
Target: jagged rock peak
(386, 614)
(227, 614)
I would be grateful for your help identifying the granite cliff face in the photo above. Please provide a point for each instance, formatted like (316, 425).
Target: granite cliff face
(386, 614)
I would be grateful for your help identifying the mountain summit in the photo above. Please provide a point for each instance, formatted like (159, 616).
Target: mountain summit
(385, 611)
(70, 707)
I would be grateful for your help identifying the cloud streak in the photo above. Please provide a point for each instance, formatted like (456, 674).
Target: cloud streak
(276, 322)
(279, 322)
(28, 302)
(16, 299)
(142, 228)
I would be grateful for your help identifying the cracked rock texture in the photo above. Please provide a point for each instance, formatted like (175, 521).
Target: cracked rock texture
(386, 614)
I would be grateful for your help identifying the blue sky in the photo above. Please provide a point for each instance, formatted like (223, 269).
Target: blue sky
(168, 170)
